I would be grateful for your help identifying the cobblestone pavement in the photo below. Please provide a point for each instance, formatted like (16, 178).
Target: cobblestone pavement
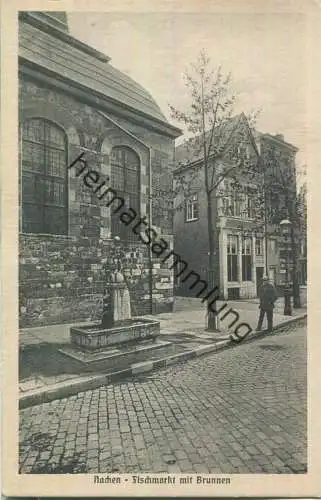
(242, 410)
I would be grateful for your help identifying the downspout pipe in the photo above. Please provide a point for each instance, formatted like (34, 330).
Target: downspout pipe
(150, 206)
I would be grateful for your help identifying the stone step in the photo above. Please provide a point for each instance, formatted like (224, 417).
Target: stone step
(118, 357)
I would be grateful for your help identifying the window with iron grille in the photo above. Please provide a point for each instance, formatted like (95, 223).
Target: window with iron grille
(247, 259)
(44, 181)
(232, 257)
(125, 180)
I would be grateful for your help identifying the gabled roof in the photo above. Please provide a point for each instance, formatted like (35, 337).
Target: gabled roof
(279, 140)
(46, 44)
(187, 155)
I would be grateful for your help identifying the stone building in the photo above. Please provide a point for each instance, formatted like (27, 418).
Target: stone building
(243, 247)
(73, 101)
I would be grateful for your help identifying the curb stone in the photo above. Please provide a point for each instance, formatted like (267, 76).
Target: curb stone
(60, 391)
(236, 339)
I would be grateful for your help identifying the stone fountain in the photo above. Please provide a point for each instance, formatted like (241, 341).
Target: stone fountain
(119, 339)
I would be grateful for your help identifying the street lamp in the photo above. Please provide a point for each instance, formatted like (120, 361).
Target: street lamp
(285, 228)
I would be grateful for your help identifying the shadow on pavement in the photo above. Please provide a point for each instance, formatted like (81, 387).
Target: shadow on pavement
(45, 359)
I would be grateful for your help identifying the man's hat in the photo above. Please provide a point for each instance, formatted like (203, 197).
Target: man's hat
(265, 278)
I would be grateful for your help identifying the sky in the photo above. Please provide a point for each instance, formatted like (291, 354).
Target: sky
(266, 54)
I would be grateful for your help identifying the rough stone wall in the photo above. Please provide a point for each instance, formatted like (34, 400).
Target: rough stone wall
(62, 279)
(61, 276)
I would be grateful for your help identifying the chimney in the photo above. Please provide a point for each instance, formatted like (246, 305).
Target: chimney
(280, 137)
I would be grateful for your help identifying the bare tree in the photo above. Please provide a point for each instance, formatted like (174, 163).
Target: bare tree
(214, 144)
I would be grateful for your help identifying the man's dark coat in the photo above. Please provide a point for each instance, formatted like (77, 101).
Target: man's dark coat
(268, 296)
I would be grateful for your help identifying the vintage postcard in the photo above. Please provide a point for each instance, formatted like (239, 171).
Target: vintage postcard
(159, 176)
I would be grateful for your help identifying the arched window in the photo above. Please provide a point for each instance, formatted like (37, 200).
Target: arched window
(44, 181)
(125, 180)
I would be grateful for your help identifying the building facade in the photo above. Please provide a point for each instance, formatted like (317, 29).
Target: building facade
(244, 246)
(282, 201)
(303, 254)
(72, 101)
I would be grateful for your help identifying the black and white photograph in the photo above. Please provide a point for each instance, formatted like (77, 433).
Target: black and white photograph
(162, 206)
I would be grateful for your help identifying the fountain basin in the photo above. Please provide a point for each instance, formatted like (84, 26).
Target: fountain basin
(94, 337)
(131, 341)
(120, 357)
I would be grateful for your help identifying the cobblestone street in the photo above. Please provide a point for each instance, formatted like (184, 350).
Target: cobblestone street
(242, 410)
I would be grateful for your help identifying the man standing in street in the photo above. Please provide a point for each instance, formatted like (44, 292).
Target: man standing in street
(267, 296)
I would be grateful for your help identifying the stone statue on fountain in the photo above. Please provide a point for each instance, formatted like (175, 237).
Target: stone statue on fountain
(116, 301)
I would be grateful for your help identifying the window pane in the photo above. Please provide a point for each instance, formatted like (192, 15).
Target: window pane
(259, 246)
(33, 130)
(31, 218)
(59, 192)
(28, 187)
(226, 205)
(117, 156)
(247, 246)
(195, 210)
(117, 177)
(229, 274)
(125, 180)
(56, 163)
(55, 220)
(232, 274)
(234, 268)
(54, 192)
(192, 208)
(32, 156)
(246, 267)
(232, 244)
(54, 137)
(131, 181)
(133, 202)
(85, 194)
(47, 190)
(131, 160)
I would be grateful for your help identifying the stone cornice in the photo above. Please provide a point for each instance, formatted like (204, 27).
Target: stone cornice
(94, 99)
